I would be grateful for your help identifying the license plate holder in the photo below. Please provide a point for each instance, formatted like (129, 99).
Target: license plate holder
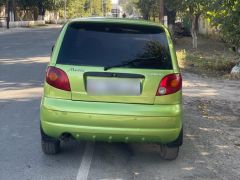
(100, 86)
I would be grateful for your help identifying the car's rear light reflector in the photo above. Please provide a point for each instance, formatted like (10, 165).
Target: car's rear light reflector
(170, 84)
(57, 78)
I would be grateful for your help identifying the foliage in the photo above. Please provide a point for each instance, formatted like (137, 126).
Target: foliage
(2, 2)
(76, 8)
(41, 5)
(130, 6)
(194, 9)
(152, 8)
(108, 6)
(96, 8)
(226, 15)
(81, 8)
(146, 7)
(25, 3)
(171, 8)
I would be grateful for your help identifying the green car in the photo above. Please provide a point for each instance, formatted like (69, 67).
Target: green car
(113, 80)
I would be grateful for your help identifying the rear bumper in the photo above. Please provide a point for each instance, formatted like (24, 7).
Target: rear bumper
(113, 122)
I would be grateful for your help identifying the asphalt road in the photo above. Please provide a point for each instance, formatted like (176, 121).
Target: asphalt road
(211, 142)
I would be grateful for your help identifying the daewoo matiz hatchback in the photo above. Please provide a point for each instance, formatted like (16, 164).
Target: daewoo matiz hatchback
(113, 80)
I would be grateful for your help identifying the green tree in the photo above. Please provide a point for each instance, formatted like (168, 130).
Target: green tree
(42, 5)
(25, 3)
(82, 8)
(96, 7)
(130, 6)
(107, 6)
(225, 15)
(151, 8)
(146, 7)
(77, 8)
(194, 9)
(155, 9)
(2, 2)
(22, 6)
(171, 9)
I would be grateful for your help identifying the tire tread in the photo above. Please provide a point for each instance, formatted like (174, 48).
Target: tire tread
(169, 153)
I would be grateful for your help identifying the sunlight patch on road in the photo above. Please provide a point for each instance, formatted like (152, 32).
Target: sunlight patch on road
(200, 92)
(210, 129)
(205, 153)
(198, 89)
(222, 147)
(190, 136)
(111, 179)
(21, 93)
(194, 84)
(25, 60)
(188, 168)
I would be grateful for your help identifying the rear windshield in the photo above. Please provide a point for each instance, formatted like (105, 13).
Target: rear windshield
(129, 46)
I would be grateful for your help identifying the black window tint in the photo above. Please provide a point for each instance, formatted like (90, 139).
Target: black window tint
(92, 44)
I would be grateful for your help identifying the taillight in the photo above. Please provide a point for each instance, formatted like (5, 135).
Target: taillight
(57, 78)
(170, 84)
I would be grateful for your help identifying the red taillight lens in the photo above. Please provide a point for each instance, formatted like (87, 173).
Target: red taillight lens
(170, 84)
(57, 78)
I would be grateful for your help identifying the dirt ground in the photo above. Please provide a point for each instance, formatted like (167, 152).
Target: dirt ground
(212, 122)
(212, 58)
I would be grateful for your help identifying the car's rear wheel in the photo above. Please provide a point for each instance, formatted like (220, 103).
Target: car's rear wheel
(50, 146)
(169, 153)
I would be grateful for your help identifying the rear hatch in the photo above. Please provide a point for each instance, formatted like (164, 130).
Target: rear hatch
(114, 62)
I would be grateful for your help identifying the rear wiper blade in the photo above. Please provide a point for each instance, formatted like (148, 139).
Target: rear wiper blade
(125, 63)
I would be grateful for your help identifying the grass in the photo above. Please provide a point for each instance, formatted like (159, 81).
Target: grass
(212, 58)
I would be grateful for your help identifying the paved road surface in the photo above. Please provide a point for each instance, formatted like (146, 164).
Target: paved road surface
(211, 148)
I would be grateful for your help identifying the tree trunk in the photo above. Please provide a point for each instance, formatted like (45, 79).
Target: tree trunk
(154, 16)
(194, 30)
(146, 16)
(35, 13)
(15, 11)
(41, 11)
(194, 35)
(11, 11)
(161, 13)
(171, 30)
(196, 21)
(171, 20)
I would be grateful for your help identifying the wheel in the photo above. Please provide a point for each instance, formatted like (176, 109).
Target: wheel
(50, 146)
(169, 153)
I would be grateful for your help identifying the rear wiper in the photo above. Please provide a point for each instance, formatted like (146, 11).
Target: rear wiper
(125, 63)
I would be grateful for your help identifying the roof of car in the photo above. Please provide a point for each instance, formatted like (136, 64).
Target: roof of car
(116, 21)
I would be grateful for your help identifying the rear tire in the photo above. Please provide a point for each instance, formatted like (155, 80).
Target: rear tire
(169, 153)
(50, 146)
